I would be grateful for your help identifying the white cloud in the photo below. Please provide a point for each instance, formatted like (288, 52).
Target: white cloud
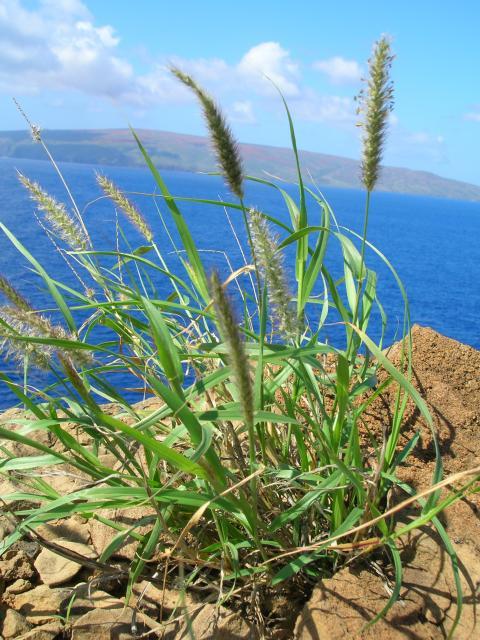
(271, 60)
(423, 138)
(73, 7)
(204, 70)
(419, 145)
(315, 107)
(263, 61)
(242, 111)
(58, 48)
(339, 70)
(156, 86)
(474, 116)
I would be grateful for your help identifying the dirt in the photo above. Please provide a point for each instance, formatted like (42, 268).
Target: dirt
(447, 374)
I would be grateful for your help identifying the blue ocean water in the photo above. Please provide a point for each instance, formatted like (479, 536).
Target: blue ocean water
(433, 243)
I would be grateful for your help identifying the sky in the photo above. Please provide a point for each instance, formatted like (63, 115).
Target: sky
(104, 64)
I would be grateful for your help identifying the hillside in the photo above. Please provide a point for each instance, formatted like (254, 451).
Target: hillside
(192, 153)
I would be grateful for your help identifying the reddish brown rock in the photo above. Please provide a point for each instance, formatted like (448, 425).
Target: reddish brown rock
(209, 622)
(19, 586)
(446, 374)
(74, 529)
(14, 625)
(153, 600)
(55, 569)
(113, 624)
(101, 534)
(40, 605)
(15, 565)
(45, 632)
(87, 600)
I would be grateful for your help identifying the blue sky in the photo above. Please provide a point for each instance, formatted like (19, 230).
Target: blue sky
(103, 63)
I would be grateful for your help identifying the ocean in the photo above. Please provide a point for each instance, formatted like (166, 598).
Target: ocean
(433, 243)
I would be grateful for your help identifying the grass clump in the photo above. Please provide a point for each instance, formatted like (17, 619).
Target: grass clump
(250, 465)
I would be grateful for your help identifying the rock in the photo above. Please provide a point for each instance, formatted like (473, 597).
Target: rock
(86, 600)
(29, 547)
(74, 529)
(209, 622)
(55, 569)
(149, 598)
(15, 565)
(101, 534)
(112, 624)
(45, 632)
(40, 605)
(19, 586)
(468, 561)
(109, 460)
(7, 524)
(340, 607)
(14, 624)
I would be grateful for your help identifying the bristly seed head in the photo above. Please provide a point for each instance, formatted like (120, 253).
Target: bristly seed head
(20, 320)
(34, 128)
(14, 323)
(16, 298)
(270, 264)
(224, 144)
(56, 215)
(128, 208)
(236, 352)
(375, 104)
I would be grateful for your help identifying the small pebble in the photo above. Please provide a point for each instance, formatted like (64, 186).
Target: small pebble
(19, 586)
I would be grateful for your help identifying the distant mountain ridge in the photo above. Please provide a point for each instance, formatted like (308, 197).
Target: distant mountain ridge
(193, 153)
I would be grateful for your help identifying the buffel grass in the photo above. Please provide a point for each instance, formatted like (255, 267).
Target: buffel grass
(252, 470)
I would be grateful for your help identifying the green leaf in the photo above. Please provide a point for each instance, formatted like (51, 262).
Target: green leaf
(62, 305)
(169, 455)
(305, 502)
(28, 462)
(293, 567)
(200, 278)
(167, 352)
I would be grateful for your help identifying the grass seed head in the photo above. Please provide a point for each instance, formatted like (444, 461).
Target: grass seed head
(128, 208)
(224, 144)
(12, 295)
(35, 130)
(236, 352)
(270, 264)
(375, 104)
(25, 322)
(21, 323)
(69, 366)
(56, 215)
